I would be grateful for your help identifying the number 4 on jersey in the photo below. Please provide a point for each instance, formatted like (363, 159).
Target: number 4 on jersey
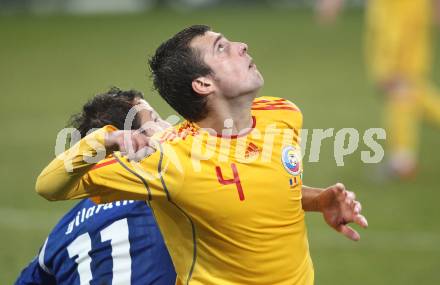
(235, 180)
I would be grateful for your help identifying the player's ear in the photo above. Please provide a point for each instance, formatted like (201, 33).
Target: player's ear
(203, 85)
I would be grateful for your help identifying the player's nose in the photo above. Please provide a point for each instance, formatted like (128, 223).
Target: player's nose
(243, 48)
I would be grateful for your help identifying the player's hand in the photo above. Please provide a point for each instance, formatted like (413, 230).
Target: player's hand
(135, 145)
(328, 10)
(339, 207)
(151, 120)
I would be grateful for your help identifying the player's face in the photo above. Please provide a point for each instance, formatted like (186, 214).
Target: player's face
(235, 72)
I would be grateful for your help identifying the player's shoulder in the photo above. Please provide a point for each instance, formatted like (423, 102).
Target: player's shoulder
(285, 113)
(179, 132)
(87, 216)
(61, 235)
(268, 103)
(178, 137)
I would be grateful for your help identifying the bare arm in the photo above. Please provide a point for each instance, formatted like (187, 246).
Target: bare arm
(310, 198)
(338, 207)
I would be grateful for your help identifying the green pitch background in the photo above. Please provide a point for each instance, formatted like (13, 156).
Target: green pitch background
(49, 66)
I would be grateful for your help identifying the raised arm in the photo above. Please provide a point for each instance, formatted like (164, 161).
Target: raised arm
(67, 176)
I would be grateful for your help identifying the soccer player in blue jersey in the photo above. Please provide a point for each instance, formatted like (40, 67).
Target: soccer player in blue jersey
(114, 243)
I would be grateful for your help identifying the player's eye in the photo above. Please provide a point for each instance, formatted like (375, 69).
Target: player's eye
(154, 116)
(143, 131)
(221, 48)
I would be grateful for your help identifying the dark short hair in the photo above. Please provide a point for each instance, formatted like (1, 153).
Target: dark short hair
(109, 108)
(174, 66)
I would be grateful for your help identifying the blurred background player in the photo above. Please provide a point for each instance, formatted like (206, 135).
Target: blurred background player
(398, 49)
(114, 243)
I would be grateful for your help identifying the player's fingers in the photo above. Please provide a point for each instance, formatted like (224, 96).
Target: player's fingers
(357, 207)
(339, 190)
(143, 153)
(360, 220)
(142, 141)
(122, 146)
(348, 232)
(351, 195)
(137, 144)
(150, 128)
(339, 187)
(132, 145)
(151, 131)
(143, 148)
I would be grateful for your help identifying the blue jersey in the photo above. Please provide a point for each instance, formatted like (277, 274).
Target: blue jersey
(113, 243)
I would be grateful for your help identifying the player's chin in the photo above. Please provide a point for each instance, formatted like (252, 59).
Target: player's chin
(259, 80)
(254, 81)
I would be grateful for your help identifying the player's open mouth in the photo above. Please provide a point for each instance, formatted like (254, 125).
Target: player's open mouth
(251, 64)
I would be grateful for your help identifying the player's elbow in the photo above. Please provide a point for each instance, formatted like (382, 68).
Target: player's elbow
(42, 190)
(45, 189)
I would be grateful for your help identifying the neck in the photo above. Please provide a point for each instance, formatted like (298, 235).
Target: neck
(237, 110)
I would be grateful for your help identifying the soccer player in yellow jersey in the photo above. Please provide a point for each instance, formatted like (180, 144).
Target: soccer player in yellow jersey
(226, 184)
(398, 48)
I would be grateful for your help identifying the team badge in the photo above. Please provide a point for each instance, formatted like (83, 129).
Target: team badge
(290, 158)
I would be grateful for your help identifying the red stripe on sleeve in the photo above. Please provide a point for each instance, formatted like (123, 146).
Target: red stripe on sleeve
(99, 165)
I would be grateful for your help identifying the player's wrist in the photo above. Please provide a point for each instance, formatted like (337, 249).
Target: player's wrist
(320, 201)
(312, 199)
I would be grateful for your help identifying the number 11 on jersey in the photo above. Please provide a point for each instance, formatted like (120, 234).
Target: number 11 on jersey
(117, 233)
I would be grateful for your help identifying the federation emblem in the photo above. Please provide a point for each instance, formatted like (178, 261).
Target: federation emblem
(290, 158)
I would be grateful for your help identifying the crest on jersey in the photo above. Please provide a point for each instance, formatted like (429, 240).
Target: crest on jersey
(291, 160)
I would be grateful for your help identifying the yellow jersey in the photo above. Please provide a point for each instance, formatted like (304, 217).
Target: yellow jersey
(229, 207)
(398, 39)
